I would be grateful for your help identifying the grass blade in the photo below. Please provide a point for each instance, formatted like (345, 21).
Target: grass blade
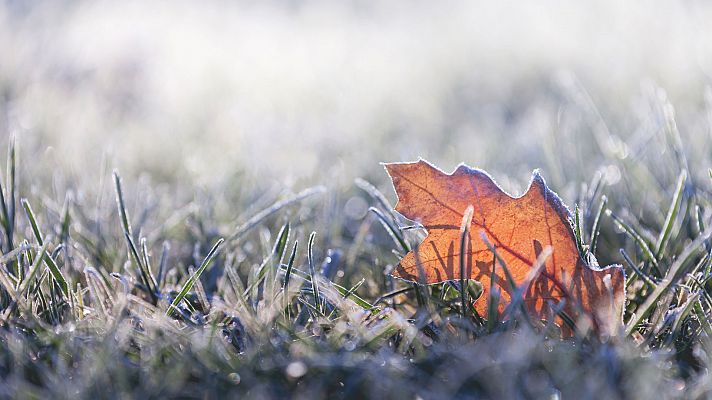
(5, 220)
(66, 219)
(12, 188)
(647, 279)
(281, 244)
(121, 204)
(144, 272)
(464, 239)
(32, 219)
(260, 216)
(56, 273)
(651, 301)
(493, 303)
(33, 269)
(290, 265)
(49, 261)
(191, 280)
(578, 230)
(162, 265)
(642, 244)
(392, 231)
(147, 265)
(276, 253)
(596, 228)
(671, 215)
(374, 193)
(312, 271)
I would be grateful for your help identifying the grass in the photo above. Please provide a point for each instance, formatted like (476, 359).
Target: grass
(114, 301)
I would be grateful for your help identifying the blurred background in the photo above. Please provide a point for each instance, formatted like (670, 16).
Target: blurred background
(214, 111)
(251, 99)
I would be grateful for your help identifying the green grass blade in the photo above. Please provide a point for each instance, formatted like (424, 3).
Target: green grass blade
(276, 253)
(312, 270)
(375, 194)
(596, 228)
(342, 290)
(642, 244)
(578, 229)
(518, 295)
(651, 301)
(392, 230)
(11, 188)
(493, 303)
(647, 279)
(56, 274)
(354, 288)
(260, 216)
(290, 265)
(5, 219)
(121, 205)
(191, 280)
(33, 220)
(144, 272)
(66, 219)
(394, 293)
(700, 225)
(464, 240)
(34, 268)
(49, 261)
(281, 244)
(162, 266)
(147, 264)
(671, 215)
(138, 262)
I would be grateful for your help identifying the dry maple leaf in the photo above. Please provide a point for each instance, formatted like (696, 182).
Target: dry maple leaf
(519, 229)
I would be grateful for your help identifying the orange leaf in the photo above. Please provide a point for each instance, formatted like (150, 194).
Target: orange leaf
(519, 229)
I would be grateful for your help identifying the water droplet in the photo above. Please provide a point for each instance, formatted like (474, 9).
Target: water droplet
(296, 369)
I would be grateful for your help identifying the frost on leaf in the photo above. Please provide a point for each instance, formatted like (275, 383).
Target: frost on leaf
(519, 229)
